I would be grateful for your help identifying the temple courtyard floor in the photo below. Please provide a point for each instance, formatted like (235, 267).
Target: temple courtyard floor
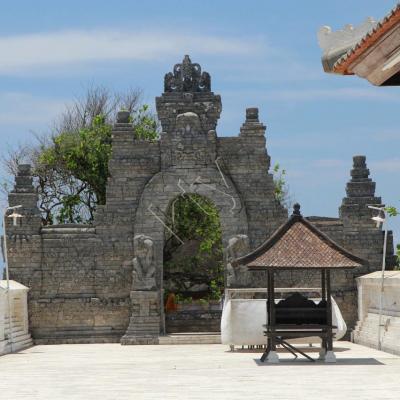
(111, 371)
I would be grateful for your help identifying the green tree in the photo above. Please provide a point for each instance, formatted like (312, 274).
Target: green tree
(392, 211)
(70, 165)
(199, 260)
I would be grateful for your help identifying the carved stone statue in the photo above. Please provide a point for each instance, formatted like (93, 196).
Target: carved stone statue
(144, 267)
(238, 246)
(205, 82)
(187, 77)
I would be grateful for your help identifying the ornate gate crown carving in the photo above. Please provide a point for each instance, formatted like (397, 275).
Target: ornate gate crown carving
(187, 77)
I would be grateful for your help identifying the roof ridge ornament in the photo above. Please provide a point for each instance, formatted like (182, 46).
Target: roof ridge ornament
(187, 77)
(296, 209)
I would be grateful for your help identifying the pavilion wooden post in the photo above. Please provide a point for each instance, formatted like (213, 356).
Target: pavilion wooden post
(272, 311)
(323, 298)
(329, 338)
(269, 309)
(270, 352)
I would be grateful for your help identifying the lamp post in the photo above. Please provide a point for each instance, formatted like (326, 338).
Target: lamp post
(15, 217)
(381, 219)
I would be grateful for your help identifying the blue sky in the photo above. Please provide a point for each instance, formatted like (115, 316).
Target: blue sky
(259, 53)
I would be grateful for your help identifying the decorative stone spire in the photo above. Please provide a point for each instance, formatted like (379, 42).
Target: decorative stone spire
(252, 126)
(360, 192)
(187, 77)
(23, 180)
(24, 195)
(360, 185)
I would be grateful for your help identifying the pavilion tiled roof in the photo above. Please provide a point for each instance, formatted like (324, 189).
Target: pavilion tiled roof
(298, 244)
(341, 66)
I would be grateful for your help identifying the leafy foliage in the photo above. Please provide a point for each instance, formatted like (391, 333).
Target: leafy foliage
(392, 211)
(70, 164)
(195, 220)
(281, 191)
(195, 217)
(84, 154)
(145, 124)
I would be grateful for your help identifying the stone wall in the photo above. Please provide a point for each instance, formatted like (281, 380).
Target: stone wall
(93, 283)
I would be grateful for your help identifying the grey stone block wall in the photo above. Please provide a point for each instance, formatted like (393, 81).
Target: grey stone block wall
(81, 277)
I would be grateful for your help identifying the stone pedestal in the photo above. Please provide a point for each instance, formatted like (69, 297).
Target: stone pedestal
(144, 325)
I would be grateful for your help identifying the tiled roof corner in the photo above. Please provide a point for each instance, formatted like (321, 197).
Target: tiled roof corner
(298, 244)
(370, 38)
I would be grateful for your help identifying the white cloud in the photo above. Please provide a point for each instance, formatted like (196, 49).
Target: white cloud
(336, 94)
(23, 109)
(388, 135)
(24, 52)
(389, 165)
(330, 163)
(342, 94)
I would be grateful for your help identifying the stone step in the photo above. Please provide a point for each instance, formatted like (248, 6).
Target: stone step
(15, 330)
(18, 346)
(190, 338)
(23, 342)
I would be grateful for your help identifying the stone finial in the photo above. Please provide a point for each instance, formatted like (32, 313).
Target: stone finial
(252, 114)
(187, 77)
(24, 193)
(123, 117)
(252, 126)
(24, 170)
(296, 209)
(23, 179)
(360, 172)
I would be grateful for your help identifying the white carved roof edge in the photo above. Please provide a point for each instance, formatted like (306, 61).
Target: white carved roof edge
(344, 38)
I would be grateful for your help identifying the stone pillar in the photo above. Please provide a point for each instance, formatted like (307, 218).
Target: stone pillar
(144, 323)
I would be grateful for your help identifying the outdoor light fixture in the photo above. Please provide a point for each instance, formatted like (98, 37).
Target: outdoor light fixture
(15, 217)
(381, 217)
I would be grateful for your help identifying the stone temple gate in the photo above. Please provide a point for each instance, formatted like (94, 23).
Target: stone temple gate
(103, 282)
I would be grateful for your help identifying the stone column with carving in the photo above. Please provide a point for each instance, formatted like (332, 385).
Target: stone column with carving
(144, 325)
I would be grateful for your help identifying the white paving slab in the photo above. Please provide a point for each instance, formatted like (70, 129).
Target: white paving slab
(111, 371)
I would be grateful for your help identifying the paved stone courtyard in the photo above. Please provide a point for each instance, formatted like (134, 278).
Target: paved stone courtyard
(111, 371)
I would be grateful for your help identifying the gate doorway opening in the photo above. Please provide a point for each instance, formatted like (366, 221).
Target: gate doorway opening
(193, 268)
